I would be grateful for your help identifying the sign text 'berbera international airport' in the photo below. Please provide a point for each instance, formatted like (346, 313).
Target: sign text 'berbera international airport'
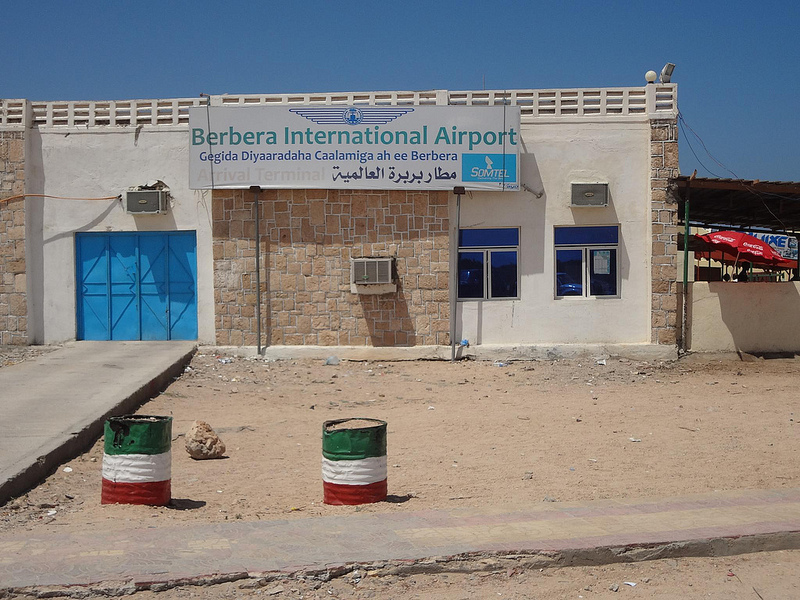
(355, 147)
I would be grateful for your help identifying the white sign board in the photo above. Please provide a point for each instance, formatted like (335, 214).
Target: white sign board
(355, 147)
(784, 245)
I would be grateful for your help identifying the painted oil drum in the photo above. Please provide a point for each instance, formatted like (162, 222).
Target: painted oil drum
(353, 461)
(137, 460)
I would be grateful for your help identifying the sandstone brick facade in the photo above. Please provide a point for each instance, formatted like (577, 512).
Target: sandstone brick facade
(13, 297)
(664, 165)
(308, 238)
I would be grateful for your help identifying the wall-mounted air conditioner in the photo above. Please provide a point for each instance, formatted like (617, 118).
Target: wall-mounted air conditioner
(372, 276)
(146, 202)
(589, 195)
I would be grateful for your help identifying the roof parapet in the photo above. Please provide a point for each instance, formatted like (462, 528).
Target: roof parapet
(654, 101)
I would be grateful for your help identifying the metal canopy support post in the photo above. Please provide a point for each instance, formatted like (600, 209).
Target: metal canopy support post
(257, 199)
(458, 191)
(685, 316)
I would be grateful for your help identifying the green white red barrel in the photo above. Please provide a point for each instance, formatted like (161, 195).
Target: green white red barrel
(354, 461)
(137, 460)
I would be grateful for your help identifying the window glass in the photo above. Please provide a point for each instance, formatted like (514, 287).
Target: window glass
(504, 274)
(603, 272)
(579, 236)
(569, 272)
(487, 263)
(586, 260)
(470, 274)
(482, 238)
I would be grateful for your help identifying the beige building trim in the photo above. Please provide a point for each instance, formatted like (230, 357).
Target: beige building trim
(13, 296)
(664, 165)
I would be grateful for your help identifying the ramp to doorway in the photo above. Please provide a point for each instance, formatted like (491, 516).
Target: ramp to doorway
(54, 407)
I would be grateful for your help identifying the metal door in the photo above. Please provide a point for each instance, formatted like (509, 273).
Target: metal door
(136, 286)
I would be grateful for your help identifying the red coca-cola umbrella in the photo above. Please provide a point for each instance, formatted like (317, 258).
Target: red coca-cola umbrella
(737, 246)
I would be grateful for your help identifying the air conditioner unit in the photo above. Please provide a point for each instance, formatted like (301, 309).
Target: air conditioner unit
(372, 276)
(146, 202)
(589, 195)
(368, 271)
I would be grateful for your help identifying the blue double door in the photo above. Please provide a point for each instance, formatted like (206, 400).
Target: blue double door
(137, 285)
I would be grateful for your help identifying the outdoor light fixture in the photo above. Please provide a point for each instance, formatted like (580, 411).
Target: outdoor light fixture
(666, 72)
(651, 76)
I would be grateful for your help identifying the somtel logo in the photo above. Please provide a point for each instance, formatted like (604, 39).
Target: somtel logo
(498, 168)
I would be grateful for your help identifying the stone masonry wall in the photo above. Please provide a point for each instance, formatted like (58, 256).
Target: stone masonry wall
(308, 238)
(664, 162)
(13, 298)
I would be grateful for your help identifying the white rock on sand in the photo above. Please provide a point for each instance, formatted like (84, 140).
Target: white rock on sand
(202, 442)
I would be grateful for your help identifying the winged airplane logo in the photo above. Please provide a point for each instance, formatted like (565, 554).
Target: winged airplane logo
(351, 115)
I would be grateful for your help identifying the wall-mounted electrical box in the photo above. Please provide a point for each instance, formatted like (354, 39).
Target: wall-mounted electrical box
(372, 276)
(589, 195)
(146, 202)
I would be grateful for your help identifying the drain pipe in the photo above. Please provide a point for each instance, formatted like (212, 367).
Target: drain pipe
(257, 199)
(458, 191)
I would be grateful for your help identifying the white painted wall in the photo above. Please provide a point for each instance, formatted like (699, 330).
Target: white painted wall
(748, 317)
(97, 162)
(104, 161)
(556, 155)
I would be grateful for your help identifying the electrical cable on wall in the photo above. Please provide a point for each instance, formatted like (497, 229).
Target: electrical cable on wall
(691, 148)
(23, 196)
(684, 125)
(760, 195)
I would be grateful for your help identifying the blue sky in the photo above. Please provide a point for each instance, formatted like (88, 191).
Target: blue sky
(737, 62)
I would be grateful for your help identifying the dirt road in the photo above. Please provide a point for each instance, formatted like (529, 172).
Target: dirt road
(459, 434)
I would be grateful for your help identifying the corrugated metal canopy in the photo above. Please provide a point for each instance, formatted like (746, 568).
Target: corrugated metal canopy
(738, 203)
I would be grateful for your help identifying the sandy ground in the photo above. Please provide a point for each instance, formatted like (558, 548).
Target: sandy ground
(462, 434)
(764, 576)
(11, 355)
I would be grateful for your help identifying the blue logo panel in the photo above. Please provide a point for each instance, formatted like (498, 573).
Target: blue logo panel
(489, 168)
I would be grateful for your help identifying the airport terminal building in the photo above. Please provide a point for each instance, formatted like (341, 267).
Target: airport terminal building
(521, 219)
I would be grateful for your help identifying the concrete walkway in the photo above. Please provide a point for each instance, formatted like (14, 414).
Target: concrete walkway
(543, 534)
(53, 408)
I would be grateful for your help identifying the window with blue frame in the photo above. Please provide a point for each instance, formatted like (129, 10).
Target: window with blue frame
(586, 261)
(487, 263)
